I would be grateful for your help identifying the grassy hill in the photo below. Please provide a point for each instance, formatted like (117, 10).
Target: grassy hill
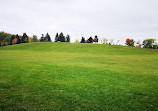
(65, 76)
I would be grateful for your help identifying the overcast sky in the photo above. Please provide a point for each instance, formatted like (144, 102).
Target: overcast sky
(112, 19)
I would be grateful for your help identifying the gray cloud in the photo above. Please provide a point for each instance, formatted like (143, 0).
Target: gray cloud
(117, 19)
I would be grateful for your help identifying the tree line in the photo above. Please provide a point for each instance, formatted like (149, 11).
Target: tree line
(147, 43)
(11, 39)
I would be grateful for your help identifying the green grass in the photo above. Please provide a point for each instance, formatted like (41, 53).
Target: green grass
(65, 76)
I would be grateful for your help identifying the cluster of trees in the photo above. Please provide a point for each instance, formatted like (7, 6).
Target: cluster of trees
(4, 38)
(147, 43)
(150, 43)
(89, 40)
(58, 38)
(95, 40)
(10, 39)
(61, 38)
(47, 38)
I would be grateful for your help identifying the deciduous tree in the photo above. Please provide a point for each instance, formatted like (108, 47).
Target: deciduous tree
(148, 43)
(11, 39)
(130, 42)
(104, 40)
(77, 41)
(95, 39)
(18, 39)
(35, 38)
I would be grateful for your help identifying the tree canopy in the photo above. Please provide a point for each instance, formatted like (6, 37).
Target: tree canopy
(25, 38)
(67, 38)
(61, 37)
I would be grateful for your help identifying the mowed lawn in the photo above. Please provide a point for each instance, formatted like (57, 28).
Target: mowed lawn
(66, 77)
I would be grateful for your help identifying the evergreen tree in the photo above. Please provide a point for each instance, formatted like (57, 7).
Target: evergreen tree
(67, 38)
(42, 38)
(11, 39)
(25, 38)
(18, 39)
(56, 37)
(47, 38)
(82, 40)
(61, 37)
(90, 40)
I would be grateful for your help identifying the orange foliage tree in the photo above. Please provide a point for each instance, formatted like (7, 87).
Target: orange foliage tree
(15, 41)
(130, 42)
(95, 39)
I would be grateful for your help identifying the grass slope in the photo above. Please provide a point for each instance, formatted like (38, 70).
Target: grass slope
(65, 76)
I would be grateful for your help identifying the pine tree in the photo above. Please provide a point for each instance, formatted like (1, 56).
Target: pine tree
(47, 38)
(90, 40)
(18, 39)
(56, 37)
(25, 38)
(42, 38)
(61, 37)
(82, 40)
(67, 38)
